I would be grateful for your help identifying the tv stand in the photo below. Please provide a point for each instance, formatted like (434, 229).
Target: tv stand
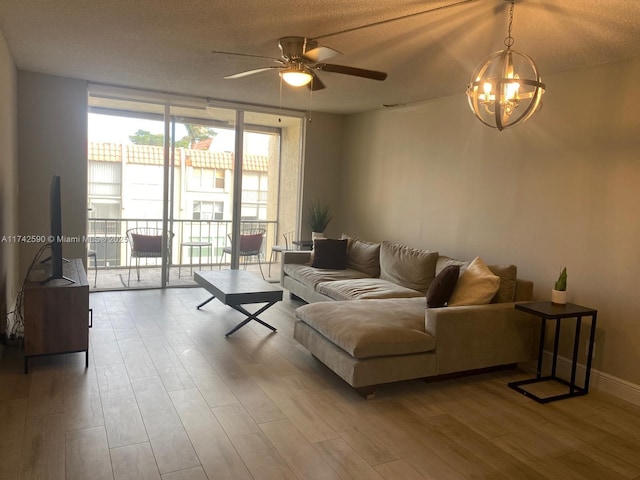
(56, 315)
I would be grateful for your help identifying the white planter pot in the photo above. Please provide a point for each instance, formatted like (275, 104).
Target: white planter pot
(558, 297)
(316, 235)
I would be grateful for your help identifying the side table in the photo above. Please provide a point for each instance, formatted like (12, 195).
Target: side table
(549, 311)
(197, 245)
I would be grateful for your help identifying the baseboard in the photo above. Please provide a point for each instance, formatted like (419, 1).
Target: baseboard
(601, 381)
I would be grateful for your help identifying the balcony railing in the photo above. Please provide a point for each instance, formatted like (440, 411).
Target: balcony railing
(108, 238)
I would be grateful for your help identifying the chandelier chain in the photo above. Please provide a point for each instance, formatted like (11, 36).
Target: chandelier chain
(508, 41)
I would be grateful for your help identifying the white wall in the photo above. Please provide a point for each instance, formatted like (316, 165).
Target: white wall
(52, 139)
(323, 167)
(8, 183)
(561, 189)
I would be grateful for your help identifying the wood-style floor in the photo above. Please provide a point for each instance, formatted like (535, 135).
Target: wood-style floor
(167, 396)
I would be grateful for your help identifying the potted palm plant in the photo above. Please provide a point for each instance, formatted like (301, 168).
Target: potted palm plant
(559, 292)
(319, 216)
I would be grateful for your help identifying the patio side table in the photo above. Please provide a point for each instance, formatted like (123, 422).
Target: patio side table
(199, 246)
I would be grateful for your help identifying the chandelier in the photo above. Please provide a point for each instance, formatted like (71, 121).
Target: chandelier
(505, 89)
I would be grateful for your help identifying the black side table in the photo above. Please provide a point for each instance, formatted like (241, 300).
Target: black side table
(549, 311)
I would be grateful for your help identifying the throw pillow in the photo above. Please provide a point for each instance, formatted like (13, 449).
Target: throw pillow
(363, 256)
(409, 267)
(313, 247)
(330, 253)
(476, 286)
(442, 286)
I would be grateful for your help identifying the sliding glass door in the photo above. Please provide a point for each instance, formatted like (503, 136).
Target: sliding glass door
(125, 189)
(203, 153)
(190, 182)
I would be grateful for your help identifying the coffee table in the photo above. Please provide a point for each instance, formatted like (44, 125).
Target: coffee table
(236, 288)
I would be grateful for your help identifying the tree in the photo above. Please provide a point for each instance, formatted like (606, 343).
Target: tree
(144, 137)
(195, 134)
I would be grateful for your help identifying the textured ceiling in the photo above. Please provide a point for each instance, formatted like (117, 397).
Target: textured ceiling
(166, 45)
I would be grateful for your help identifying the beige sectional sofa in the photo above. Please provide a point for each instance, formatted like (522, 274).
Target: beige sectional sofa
(370, 324)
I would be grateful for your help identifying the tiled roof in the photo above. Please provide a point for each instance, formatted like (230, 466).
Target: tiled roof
(255, 163)
(206, 159)
(150, 155)
(203, 144)
(145, 154)
(105, 152)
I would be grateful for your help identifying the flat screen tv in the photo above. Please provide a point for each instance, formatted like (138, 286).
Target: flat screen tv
(55, 238)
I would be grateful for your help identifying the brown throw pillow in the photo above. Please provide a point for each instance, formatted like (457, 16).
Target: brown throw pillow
(330, 253)
(442, 286)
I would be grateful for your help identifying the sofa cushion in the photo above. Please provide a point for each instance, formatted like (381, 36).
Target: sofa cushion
(371, 328)
(442, 286)
(365, 288)
(311, 276)
(410, 267)
(363, 256)
(508, 275)
(444, 261)
(330, 253)
(476, 286)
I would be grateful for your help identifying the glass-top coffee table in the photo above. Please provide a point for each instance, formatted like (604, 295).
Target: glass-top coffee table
(236, 288)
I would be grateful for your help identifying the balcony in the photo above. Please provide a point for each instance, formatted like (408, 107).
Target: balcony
(108, 239)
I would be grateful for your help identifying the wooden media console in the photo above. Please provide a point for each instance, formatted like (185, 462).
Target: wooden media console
(56, 315)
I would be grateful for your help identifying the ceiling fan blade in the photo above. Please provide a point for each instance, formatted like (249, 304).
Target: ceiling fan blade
(218, 52)
(250, 72)
(320, 54)
(316, 84)
(356, 72)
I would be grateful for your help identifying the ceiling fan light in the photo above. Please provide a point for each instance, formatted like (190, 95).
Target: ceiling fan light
(295, 77)
(296, 74)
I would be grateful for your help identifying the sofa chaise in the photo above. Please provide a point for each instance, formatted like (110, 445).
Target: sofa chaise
(369, 320)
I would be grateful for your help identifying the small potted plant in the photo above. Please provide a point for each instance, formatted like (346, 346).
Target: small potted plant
(319, 217)
(559, 292)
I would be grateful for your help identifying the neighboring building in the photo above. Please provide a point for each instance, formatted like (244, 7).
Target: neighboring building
(126, 183)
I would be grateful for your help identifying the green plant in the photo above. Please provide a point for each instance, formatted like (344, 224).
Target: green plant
(319, 217)
(561, 283)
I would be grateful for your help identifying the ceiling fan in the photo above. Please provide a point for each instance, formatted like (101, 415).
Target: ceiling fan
(301, 58)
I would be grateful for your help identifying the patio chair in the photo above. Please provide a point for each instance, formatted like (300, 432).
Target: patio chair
(276, 249)
(250, 246)
(146, 242)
